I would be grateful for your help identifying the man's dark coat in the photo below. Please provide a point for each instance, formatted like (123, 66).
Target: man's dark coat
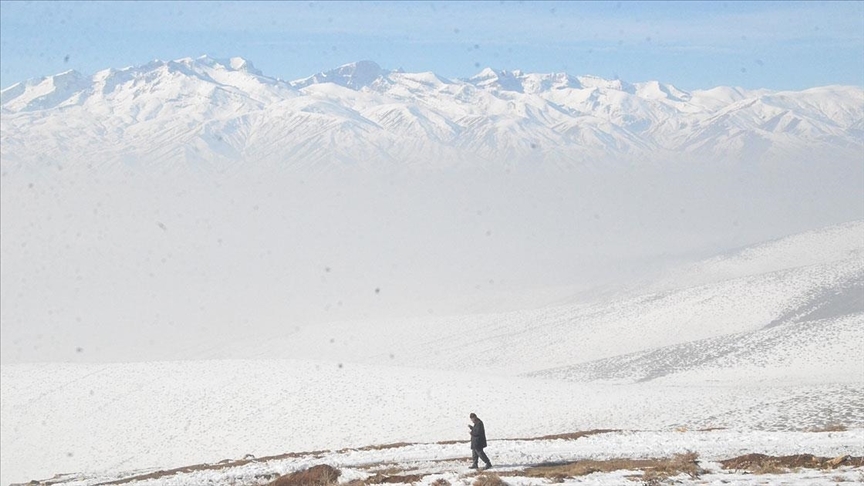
(478, 435)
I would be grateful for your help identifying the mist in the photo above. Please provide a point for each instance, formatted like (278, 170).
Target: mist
(134, 264)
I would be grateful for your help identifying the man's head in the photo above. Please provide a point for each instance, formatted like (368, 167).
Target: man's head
(473, 416)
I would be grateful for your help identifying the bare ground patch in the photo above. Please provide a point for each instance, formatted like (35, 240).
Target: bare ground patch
(488, 479)
(394, 478)
(830, 428)
(763, 464)
(571, 435)
(651, 468)
(567, 436)
(380, 447)
(320, 475)
(224, 464)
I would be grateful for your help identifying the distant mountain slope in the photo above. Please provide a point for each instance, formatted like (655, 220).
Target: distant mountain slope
(815, 247)
(206, 110)
(816, 335)
(813, 351)
(772, 311)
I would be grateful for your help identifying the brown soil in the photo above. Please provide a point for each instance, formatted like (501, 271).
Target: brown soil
(762, 464)
(320, 475)
(655, 468)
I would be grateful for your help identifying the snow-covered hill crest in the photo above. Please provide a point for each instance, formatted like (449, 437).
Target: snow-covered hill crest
(768, 338)
(792, 309)
(227, 111)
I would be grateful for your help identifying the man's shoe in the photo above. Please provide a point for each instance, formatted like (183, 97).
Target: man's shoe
(488, 466)
(472, 466)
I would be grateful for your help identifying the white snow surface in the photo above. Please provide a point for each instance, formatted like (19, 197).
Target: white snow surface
(225, 112)
(434, 461)
(769, 356)
(104, 419)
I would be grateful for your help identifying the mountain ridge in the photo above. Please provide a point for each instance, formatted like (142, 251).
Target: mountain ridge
(227, 111)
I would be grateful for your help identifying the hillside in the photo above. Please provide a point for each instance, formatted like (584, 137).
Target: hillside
(790, 301)
(768, 341)
(596, 457)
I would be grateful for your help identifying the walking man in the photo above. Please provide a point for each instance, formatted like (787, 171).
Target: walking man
(478, 442)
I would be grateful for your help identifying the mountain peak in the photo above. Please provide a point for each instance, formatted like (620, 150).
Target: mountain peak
(360, 65)
(613, 84)
(505, 80)
(486, 73)
(522, 82)
(355, 75)
(231, 64)
(42, 93)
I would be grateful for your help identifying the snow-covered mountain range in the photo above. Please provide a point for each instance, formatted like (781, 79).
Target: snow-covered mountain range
(206, 110)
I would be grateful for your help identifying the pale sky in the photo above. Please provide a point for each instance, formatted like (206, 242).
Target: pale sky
(692, 45)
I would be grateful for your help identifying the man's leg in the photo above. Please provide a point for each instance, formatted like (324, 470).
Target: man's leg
(473, 458)
(483, 456)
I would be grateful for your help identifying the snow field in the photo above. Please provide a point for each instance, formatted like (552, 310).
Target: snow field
(113, 417)
(772, 352)
(450, 461)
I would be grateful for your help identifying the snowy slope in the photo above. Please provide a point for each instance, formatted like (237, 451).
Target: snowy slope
(823, 245)
(791, 294)
(119, 417)
(816, 351)
(765, 338)
(426, 463)
(225, 112)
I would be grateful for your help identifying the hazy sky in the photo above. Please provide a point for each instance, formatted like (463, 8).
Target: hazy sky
(693, 45)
